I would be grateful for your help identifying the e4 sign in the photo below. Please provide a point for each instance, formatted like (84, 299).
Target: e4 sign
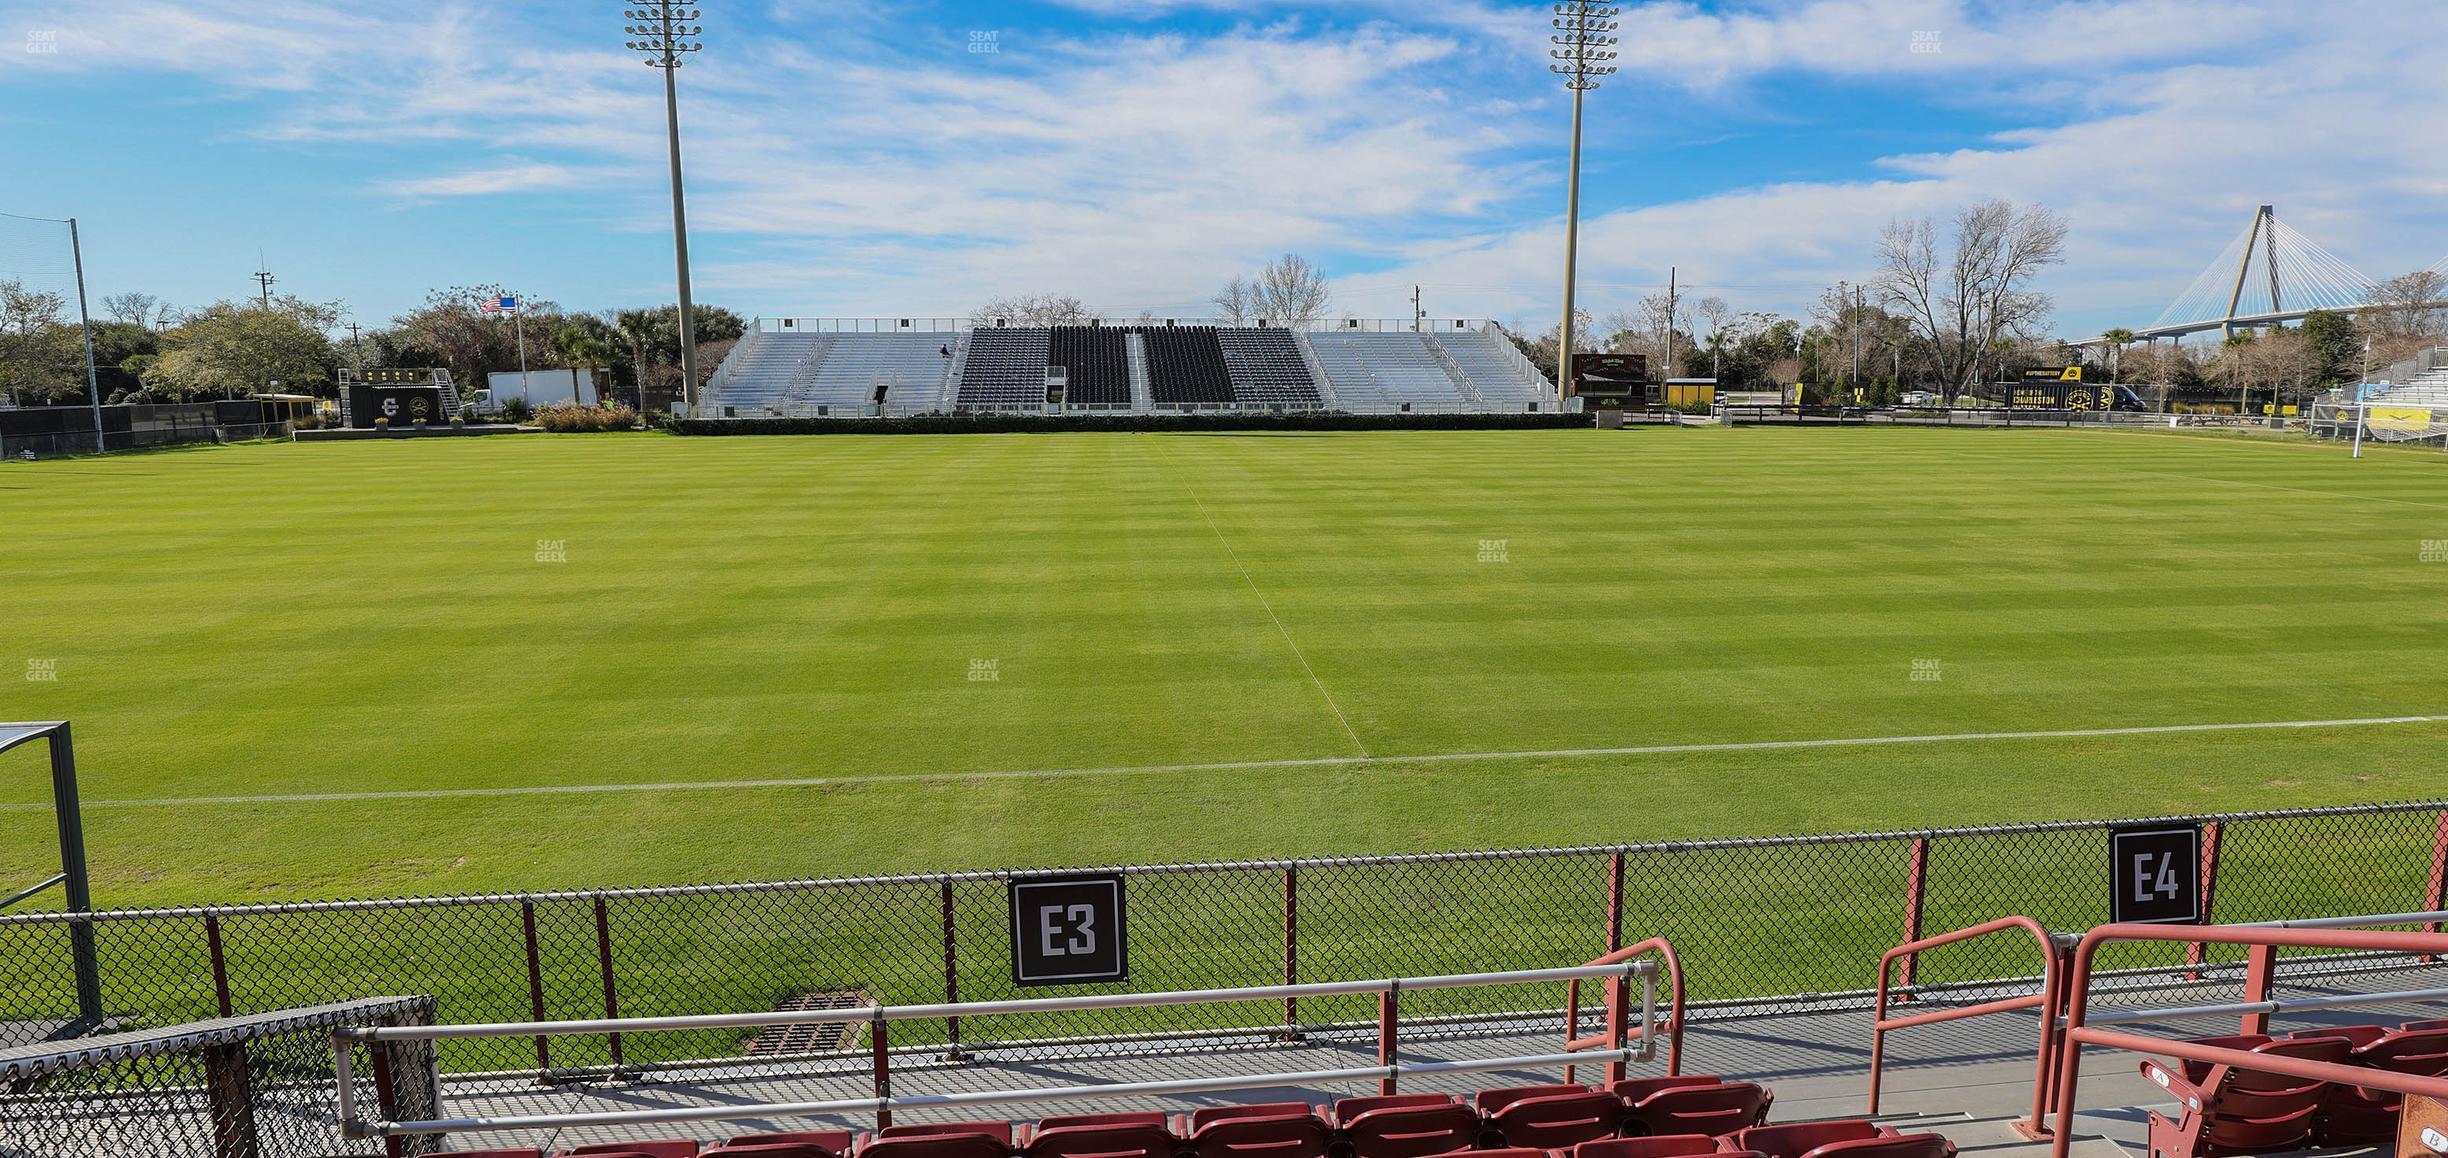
(2155, 875)
(1068, 930)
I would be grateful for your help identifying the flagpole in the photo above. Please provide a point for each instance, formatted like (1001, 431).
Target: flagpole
(518, 323)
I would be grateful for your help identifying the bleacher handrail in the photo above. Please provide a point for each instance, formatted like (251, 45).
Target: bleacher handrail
(2051, 975)
(877, 1017)
(2266, 939)
(1613, 1036)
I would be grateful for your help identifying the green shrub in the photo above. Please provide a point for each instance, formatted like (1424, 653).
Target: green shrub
(571, 418)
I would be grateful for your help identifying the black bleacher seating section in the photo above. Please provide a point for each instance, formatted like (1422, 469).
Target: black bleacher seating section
(1186, 367)
(1098, 365)
(1267, 368)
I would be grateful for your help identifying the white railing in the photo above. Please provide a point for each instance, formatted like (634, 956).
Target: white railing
(878, 1017)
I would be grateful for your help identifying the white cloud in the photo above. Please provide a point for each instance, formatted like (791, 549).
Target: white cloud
(865, 163)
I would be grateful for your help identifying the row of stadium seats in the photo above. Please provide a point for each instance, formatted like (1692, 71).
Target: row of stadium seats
(2228, 1110)
(1099, 369)
(1006, 369)
(1675, 1117)
(1186, 367)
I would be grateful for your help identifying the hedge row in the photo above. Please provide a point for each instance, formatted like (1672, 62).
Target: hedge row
(1031, 424)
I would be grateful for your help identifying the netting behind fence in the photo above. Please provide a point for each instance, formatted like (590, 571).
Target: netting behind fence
(1790, 922)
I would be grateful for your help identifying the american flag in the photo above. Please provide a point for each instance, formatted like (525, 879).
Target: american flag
(504, 304)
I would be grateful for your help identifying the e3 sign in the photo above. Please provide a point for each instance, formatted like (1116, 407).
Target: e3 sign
(2155, 875)
(1068, 930)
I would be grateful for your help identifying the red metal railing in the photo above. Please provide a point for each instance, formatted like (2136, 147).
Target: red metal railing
(1618, 1007)
(2265, 940)
(2047, 1000)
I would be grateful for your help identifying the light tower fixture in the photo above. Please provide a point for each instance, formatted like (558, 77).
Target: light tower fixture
(666, 32)
(1584, 49)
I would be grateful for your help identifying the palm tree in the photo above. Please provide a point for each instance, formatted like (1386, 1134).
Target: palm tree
(2117, 340)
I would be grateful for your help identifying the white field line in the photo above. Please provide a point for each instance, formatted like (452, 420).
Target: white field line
(1280, 629)
(1236, 765)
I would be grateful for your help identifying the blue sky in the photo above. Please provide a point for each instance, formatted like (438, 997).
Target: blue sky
(857, 157)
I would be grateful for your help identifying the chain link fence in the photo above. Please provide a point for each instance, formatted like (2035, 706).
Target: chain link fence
(258, 1085)
(1785, 923)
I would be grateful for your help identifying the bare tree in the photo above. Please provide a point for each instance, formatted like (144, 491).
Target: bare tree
(1961, 304)
(136, 308)
(1235, 303)
(1290, 291)
(1033, 310)
(2406, 317)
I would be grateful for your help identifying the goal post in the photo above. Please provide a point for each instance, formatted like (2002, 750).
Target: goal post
(77, 891)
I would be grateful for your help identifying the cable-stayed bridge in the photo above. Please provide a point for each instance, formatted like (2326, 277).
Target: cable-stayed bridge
(2269, 274)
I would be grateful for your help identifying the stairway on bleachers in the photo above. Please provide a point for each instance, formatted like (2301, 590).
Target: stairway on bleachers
(762, 371)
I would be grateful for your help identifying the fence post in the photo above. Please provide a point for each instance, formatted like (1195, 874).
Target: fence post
(1615, 899)
(1916, 884)
(1291, 948)
(2197, 952)
(227, 1090)
(1388, 1013)
(535, 990)
(220, 963)
(603, 961)
(951, 973)
(880, 1057)
(2435, 897)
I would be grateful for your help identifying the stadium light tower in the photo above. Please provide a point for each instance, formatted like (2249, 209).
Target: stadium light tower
(1583, 46)
(666, 34)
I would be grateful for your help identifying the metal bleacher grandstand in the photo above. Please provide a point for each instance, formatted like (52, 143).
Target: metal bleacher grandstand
(798, 367)
(1004, 369)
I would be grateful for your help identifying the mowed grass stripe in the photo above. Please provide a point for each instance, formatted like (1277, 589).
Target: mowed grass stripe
(349, 617)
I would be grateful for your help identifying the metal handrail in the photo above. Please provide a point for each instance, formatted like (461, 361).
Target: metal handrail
(1613, 1036)
(878, 1017)
(2051, 974)
(2266, 939)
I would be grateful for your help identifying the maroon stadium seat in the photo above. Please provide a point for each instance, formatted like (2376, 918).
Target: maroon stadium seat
(769, 1150)
(658, 1148)
(2359, 1116)
(943, 1145)
(2357, 1034)
(1889, 1146)
(835, 1142)
(1111, 1140)
(999, 1131)
(1346, 1109)
(1795, 1139)
(1136, 1118)
(1409, 1131)
(1632, 1090)
(512, 1152)
(1548, 1117)
(1648, 1146)
(2239, 1111)
(2427, 1023)
(1269, 1130)
(1716, 1110)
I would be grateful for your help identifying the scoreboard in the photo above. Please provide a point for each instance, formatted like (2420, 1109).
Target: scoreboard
(1611, 381)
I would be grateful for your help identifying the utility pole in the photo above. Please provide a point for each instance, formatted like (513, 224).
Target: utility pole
(1582, 48)
(93, 383)
(356, 349)
(1670, 324)
(666, 37)
(1419, 318)
(263, 286)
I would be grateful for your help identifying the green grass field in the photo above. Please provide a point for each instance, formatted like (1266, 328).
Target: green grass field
(322, 621)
